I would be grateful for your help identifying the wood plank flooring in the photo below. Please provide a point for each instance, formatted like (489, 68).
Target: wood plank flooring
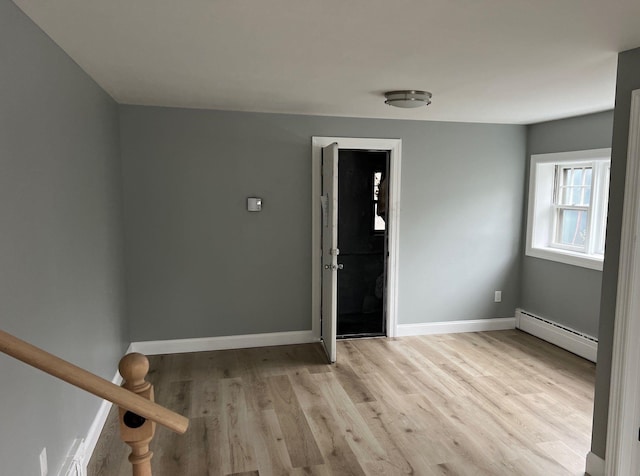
(489, 403)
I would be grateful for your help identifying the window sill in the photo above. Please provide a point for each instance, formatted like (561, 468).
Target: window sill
(566, 257)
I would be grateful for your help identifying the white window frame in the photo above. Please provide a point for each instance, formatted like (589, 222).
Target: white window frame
(542, 215)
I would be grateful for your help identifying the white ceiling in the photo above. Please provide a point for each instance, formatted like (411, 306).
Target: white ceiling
(502, 61)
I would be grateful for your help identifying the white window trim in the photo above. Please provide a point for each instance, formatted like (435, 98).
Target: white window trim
(541, 185)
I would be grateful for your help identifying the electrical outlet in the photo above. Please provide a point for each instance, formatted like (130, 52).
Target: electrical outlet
(44, 470)
(497, 297)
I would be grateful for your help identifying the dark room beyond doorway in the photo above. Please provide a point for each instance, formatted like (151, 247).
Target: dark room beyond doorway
(362, 240)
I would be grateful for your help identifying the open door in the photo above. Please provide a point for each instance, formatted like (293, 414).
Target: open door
(330, 248)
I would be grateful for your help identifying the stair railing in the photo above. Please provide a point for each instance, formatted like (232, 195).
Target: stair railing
(138, 412)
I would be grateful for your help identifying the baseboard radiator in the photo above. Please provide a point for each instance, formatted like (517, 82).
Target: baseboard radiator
(569, 339)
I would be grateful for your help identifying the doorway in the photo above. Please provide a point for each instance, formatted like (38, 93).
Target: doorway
(324, 227)
(362, 241)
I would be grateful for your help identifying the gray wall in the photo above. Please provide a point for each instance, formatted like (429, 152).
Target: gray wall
(566, 294)
(194, 252)
(628, 80)
(60, 244)
(199, 264)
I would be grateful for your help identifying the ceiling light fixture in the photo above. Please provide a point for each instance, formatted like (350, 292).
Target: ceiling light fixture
(408, 98)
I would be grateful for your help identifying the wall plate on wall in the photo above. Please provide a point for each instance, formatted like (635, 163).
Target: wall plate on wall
(254, 204)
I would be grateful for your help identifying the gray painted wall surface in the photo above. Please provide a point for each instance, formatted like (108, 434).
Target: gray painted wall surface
(566, 294)
(628, 80)
(199, 264)
(60, 244)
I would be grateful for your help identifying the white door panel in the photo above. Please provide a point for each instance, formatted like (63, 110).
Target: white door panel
(330, 248)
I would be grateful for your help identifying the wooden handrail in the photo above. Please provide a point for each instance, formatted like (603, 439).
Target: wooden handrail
(49, 363)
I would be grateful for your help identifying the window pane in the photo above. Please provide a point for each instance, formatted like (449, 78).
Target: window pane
(587, 175)
(587, 190)
(587, 196)
(572, 227)
(577, 177)
(377, 177)
(378, 221)
(574, 187)
(576, 196)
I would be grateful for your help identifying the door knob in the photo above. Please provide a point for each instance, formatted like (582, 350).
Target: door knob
(333, 266)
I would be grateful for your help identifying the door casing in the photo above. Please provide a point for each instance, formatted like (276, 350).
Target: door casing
(623, 450)
(394, 146)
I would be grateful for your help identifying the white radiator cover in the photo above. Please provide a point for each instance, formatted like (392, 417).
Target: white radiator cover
(569, 339)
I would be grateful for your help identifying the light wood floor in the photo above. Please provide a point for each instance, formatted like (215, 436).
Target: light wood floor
(491, 403)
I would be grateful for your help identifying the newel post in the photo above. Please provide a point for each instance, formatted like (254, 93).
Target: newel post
(136, 431)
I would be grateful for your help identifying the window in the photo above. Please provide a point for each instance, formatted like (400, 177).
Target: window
(568, 194)
(378, 215)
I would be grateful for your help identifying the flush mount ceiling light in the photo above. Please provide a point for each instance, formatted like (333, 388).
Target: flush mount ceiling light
(408, 98)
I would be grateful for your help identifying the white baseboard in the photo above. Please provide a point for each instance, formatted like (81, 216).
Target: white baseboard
(452, 327)
(201, 344)
(595, 465)
(564, 337)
